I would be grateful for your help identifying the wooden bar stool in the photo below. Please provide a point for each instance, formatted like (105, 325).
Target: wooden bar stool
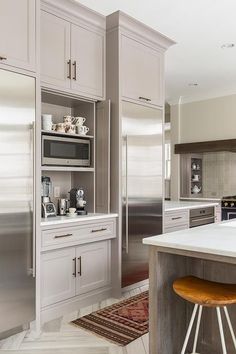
(204, 293)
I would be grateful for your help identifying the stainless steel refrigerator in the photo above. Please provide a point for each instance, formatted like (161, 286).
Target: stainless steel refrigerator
(142, 186)
(17, 283)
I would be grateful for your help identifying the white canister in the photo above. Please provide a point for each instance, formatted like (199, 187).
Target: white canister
(46, 121)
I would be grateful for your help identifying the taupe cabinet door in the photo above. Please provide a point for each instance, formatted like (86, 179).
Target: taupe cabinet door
(55, 50)
(87, 53)
(94, 266)
(17, 33)
(141, 70)
(57, 276)
(72, 57)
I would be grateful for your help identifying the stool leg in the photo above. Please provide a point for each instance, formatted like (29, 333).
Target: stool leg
(189, 329)
(197, 330)
(221, 330)
(230, 326)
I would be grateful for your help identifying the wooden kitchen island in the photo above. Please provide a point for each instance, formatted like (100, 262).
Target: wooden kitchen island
(208, 252)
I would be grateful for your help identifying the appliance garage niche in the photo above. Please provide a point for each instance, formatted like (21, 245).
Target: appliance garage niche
(72, 160)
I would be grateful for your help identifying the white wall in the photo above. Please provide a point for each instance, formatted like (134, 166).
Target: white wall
(212, 119)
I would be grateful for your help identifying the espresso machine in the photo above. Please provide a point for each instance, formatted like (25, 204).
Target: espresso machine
(77, 201)
(48, 207)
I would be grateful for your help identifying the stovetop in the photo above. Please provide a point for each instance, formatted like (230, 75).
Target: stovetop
(228, 202)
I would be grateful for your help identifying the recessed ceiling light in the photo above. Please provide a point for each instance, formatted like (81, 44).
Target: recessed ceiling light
(227, 45)
(193, 84)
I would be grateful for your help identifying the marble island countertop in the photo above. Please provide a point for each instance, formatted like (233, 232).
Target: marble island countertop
(59, 220)
(216, 239)
(170, 205)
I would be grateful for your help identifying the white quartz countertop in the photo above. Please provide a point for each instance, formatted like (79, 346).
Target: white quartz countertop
(216, 239)
(178, 205)
(58, 220)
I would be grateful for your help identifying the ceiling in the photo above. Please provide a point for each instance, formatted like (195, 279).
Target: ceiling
(200, 28)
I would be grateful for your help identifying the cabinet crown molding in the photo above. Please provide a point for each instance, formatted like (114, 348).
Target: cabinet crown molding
(122, 21)
(73, 10)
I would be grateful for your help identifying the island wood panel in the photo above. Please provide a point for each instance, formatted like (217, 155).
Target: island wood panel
(170, 315)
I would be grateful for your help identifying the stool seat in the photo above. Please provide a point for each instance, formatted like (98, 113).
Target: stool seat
(204, 292)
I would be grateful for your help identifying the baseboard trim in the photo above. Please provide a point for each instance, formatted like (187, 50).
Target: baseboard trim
(136, 285)
(59, 309)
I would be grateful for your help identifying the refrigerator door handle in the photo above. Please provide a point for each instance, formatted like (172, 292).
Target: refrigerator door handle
(126, 198)
(33, 203)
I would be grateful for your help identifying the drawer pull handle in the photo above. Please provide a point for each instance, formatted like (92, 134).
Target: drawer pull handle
(2, 57)
(60, 236)
(99, 230)
(176, 218)
(145, 99)
(80, 266)
(74, 260)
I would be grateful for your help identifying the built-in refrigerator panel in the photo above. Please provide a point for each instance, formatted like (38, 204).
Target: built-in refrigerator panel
(17, 117)
(142, 186)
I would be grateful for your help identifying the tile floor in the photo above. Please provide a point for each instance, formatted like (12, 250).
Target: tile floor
(60, 337)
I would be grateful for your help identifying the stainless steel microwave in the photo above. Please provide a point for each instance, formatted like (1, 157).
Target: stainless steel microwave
(65, 151)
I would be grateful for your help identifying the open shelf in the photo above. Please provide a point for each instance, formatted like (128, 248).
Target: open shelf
(51, 132)
(67, 168)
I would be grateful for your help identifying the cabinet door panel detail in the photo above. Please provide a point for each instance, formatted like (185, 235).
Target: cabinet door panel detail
(55, 50)
(87, 52)
(57, 279)
(17, 33)
(141, 72)
(95, 266)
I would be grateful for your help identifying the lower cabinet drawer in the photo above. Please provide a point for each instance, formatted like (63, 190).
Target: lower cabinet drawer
(174, 218)
(175, 228)
(81, 232)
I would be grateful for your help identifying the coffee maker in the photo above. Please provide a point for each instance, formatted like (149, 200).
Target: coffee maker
(77, 201)
(48, 207)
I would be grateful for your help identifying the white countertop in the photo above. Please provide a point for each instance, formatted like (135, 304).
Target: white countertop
(178, 205)
(58, 220)
(217, 239)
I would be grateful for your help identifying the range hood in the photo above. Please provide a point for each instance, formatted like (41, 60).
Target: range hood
(206, 146)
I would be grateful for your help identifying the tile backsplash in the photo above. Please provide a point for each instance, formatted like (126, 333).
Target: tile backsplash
(219, 174)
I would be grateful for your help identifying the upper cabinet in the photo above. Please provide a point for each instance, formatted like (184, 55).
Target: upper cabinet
(142, 72)
(55, 50)
(87, 53)
(135, 61)
(72, 49)
(17, 34)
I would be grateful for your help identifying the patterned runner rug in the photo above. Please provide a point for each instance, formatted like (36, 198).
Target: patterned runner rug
(120, 323)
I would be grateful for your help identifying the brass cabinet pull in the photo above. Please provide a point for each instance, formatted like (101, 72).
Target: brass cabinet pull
(74, 260)
(99, 230)
(80, 266)
(60, 236)
(69, 69)
(2, 57)
(145, 99)
(75, 71)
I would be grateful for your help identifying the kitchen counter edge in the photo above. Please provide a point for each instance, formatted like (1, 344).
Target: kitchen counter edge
(65, 220)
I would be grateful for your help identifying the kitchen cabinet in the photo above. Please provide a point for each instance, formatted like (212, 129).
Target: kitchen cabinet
(142, 72)
(73, 271)
(55, 50)
(57, 276)
(94, 266)
(176, 220)
(87, 53)
(73, 53)
(17, 34)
